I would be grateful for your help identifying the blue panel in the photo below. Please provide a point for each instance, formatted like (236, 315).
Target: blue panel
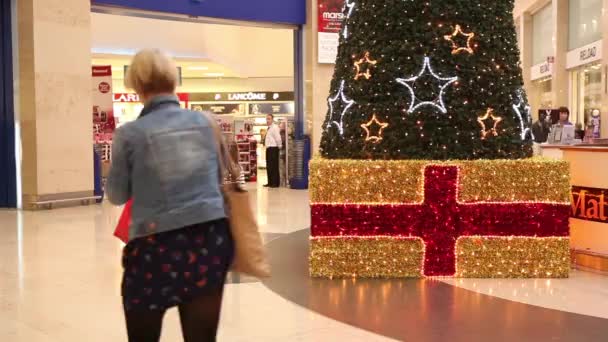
(272, 11)
(8, 174)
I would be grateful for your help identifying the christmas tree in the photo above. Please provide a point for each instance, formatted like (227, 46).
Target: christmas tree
(427, 167)
(428, 80)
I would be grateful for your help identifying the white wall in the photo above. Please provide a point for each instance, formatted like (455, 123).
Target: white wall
(250, 51)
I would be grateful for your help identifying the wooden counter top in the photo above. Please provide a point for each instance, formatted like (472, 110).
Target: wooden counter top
(582, 148)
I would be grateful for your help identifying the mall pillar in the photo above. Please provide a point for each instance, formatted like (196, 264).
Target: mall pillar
(604, 109)
(525, 48)
(54, 39)
(561, 82)
(321, 79)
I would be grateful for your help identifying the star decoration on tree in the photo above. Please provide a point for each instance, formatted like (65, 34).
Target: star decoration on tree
(456, 49)
(365, 61)
(522, 109)
(375, 138)
(346, 102)
(410, 83)
(496, 120)
(351, 7)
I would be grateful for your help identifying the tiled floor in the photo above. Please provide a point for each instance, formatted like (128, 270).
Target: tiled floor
(60, 275)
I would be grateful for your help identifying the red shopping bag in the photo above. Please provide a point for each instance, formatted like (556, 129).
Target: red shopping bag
(122, 229)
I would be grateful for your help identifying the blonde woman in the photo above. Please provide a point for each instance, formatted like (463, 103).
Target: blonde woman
(180, 246)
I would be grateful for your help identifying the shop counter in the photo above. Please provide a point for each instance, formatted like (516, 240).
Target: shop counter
(589, 222)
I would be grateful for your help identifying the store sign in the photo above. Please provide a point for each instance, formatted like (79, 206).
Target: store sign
(272, 11)
(330, 19)
(125, 97)
(585, 55)
(247, 97)
(271, 108)
(541, 70)
(134, 98)
(589, 204)
(257, 96)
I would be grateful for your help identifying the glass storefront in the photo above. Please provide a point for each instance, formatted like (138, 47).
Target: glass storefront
(542, 35)
(585, 23)
(586, 92)
(543, 47)
(545, 93)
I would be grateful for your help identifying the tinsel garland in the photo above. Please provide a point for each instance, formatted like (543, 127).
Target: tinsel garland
(401, 181)
(440, 218)
(477, 257)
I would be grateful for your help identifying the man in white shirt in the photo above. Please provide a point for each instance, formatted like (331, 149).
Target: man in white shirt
(273, 143)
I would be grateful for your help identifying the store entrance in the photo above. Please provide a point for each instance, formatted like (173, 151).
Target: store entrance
(239, 73)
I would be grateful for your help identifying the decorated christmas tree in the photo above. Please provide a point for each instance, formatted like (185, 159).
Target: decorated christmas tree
(427, 147)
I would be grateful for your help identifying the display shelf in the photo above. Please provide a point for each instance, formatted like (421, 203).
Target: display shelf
(248, 160)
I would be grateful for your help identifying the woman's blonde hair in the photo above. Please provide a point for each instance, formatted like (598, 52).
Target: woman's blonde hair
(151, 72)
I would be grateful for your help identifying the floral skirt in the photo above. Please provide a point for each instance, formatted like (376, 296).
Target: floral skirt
(167, 269)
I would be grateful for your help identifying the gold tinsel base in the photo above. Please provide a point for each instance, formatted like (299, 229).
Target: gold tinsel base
(377, 257)
(477, 257)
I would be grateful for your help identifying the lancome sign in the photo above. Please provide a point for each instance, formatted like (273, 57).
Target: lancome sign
(248, 96)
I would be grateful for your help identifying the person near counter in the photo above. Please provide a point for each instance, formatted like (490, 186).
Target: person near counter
(564, 117)
(541, 128)
(273, 143)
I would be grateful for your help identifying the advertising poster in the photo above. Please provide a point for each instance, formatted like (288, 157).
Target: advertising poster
(596, 123)
(330, 20)
(220, 108)
(104, 123)
(271, 108)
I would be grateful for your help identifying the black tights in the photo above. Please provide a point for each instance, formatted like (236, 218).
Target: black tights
(199, 319)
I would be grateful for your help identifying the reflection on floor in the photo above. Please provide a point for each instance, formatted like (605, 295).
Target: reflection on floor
(583, 293)
(60, 275)
(427, 310)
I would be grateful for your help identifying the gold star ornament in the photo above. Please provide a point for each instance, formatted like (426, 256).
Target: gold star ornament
(374, 138)
(496, 120)
(366, 60)
(456, 49)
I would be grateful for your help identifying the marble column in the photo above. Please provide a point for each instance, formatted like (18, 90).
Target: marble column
(320, 80)
(525, 26)
(54, 48)
(604, 106)
(561, 82)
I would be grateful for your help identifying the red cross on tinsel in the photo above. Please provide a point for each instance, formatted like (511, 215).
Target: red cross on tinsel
(441, 219)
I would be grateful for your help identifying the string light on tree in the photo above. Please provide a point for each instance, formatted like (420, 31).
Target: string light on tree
(374, 138)
(496, 120)
(525, 118)
(365, 61)
(350, 7)
(456, 49)
(444, 83)
(346, 102)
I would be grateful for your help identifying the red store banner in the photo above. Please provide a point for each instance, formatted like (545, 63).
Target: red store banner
(330, 19)
(134, 98)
